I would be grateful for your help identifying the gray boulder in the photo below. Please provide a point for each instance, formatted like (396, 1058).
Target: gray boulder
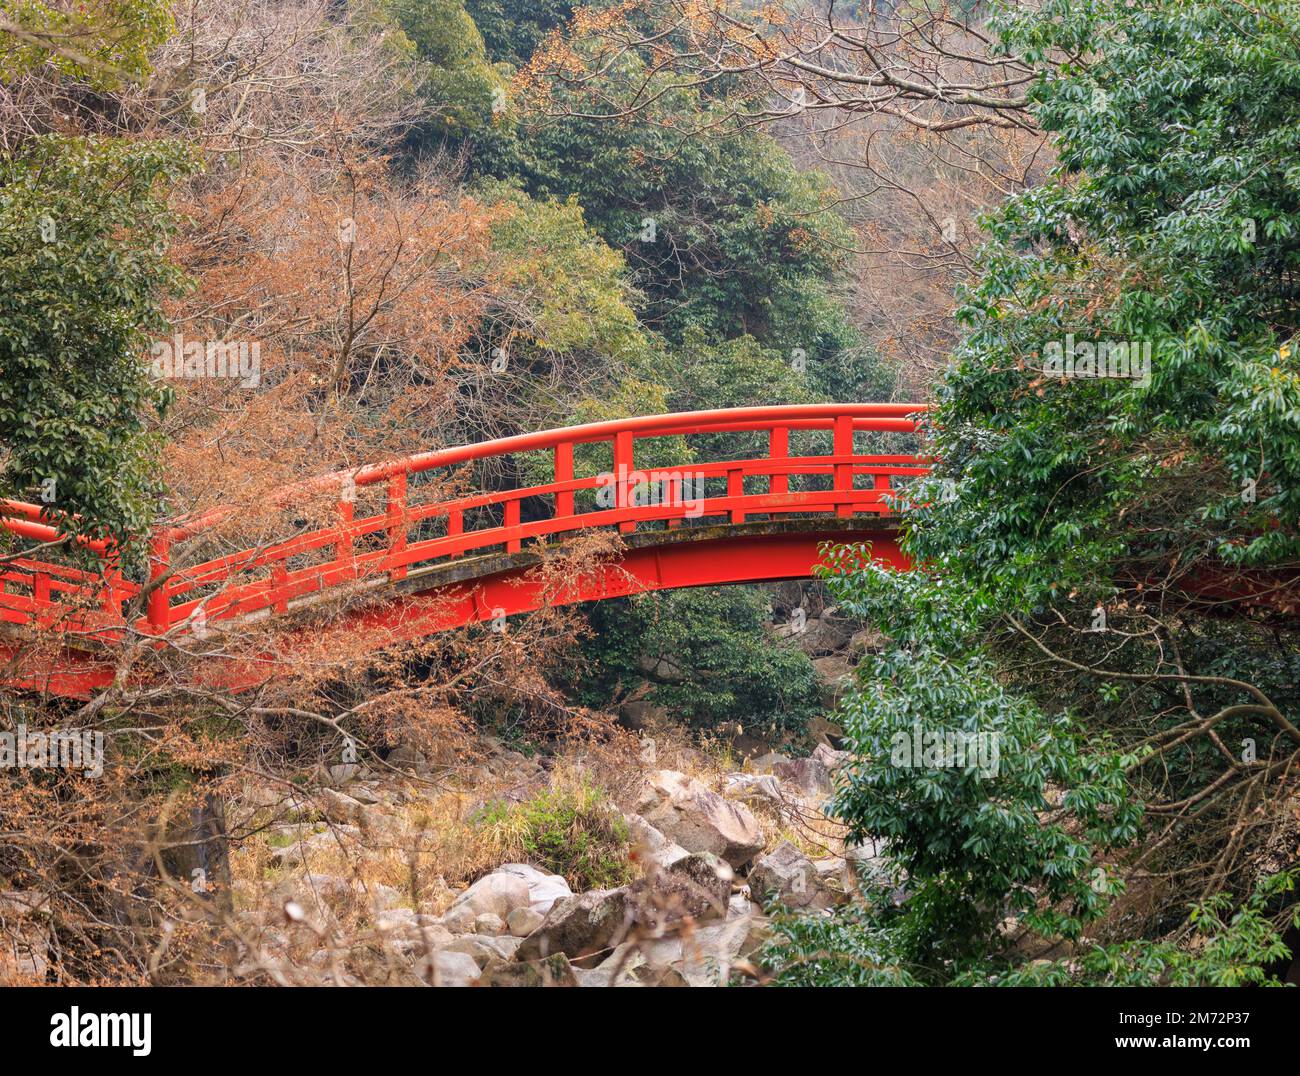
(807, 776)
(498, 893)
(341, 808)
(700, 820)
(453, 969)
(484, 949)
(523, 921)
(754, 788)
(830, 758)
(489, 923)
(553, 971)
(697, 886)
(543, 889)
(582, 927)
(765, 763)
(651, 847)
(787, 877)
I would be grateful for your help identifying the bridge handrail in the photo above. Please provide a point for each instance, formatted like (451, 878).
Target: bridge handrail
(876, 417)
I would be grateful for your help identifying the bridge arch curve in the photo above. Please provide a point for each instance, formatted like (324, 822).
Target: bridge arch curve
(438, 564)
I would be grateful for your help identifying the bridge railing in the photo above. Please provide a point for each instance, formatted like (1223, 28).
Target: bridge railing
(405, 537)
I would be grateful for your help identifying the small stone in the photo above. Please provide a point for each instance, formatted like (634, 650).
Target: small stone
(523, 921)
(555, 970)
(453, 969)
(343, 773)
(489, 923)
(461, 920)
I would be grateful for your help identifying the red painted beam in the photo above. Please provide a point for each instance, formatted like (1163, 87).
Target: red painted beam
(687, 561)
(437, 601)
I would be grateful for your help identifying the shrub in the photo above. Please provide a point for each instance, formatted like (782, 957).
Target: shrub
(574, 832)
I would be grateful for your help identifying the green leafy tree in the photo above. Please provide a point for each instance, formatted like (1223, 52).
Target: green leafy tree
(1173, 221)
(465, 92)
(1232, 945)
(83, 274)
(1015, 821)
(104, 43)
(723, 232)
(709, 657)
(513, 29)
(1170, 224)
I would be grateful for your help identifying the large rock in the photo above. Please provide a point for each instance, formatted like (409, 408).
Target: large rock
(461, 920)
(830, 758)
(867, 872)
(706, 956)
(498, 893)
(523, 921)
(342, 773)
(319, 894)
(823, 731)
(765, 763)
(700, 820)
(786, 876)
(831, 874)
(755, 788)
(710, 954)
(365, 794)
(807, 776)
(834, 677)
(582, 927)
(818, 635)
(543, 889)
(650, 847)
(868, 639)
(623, 967)
(697, 886)
(341, 808)
(406, 757)
(484, 949)
(489, 924)
(661, 669)
(637, 712)
(416, 939)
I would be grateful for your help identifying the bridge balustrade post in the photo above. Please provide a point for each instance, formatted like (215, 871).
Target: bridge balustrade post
(778, 450)
(883, 486)
(513, 545)
(396, 513)
(623, 468)
(280, 587)
(564, 473)
(112, 582)
(41, 599)
(455, 527)
(843, 446)
(343, 554)
(159, 607)
(736, 488)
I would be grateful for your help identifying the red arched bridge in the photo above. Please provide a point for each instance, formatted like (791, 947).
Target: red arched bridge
(443, 563)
